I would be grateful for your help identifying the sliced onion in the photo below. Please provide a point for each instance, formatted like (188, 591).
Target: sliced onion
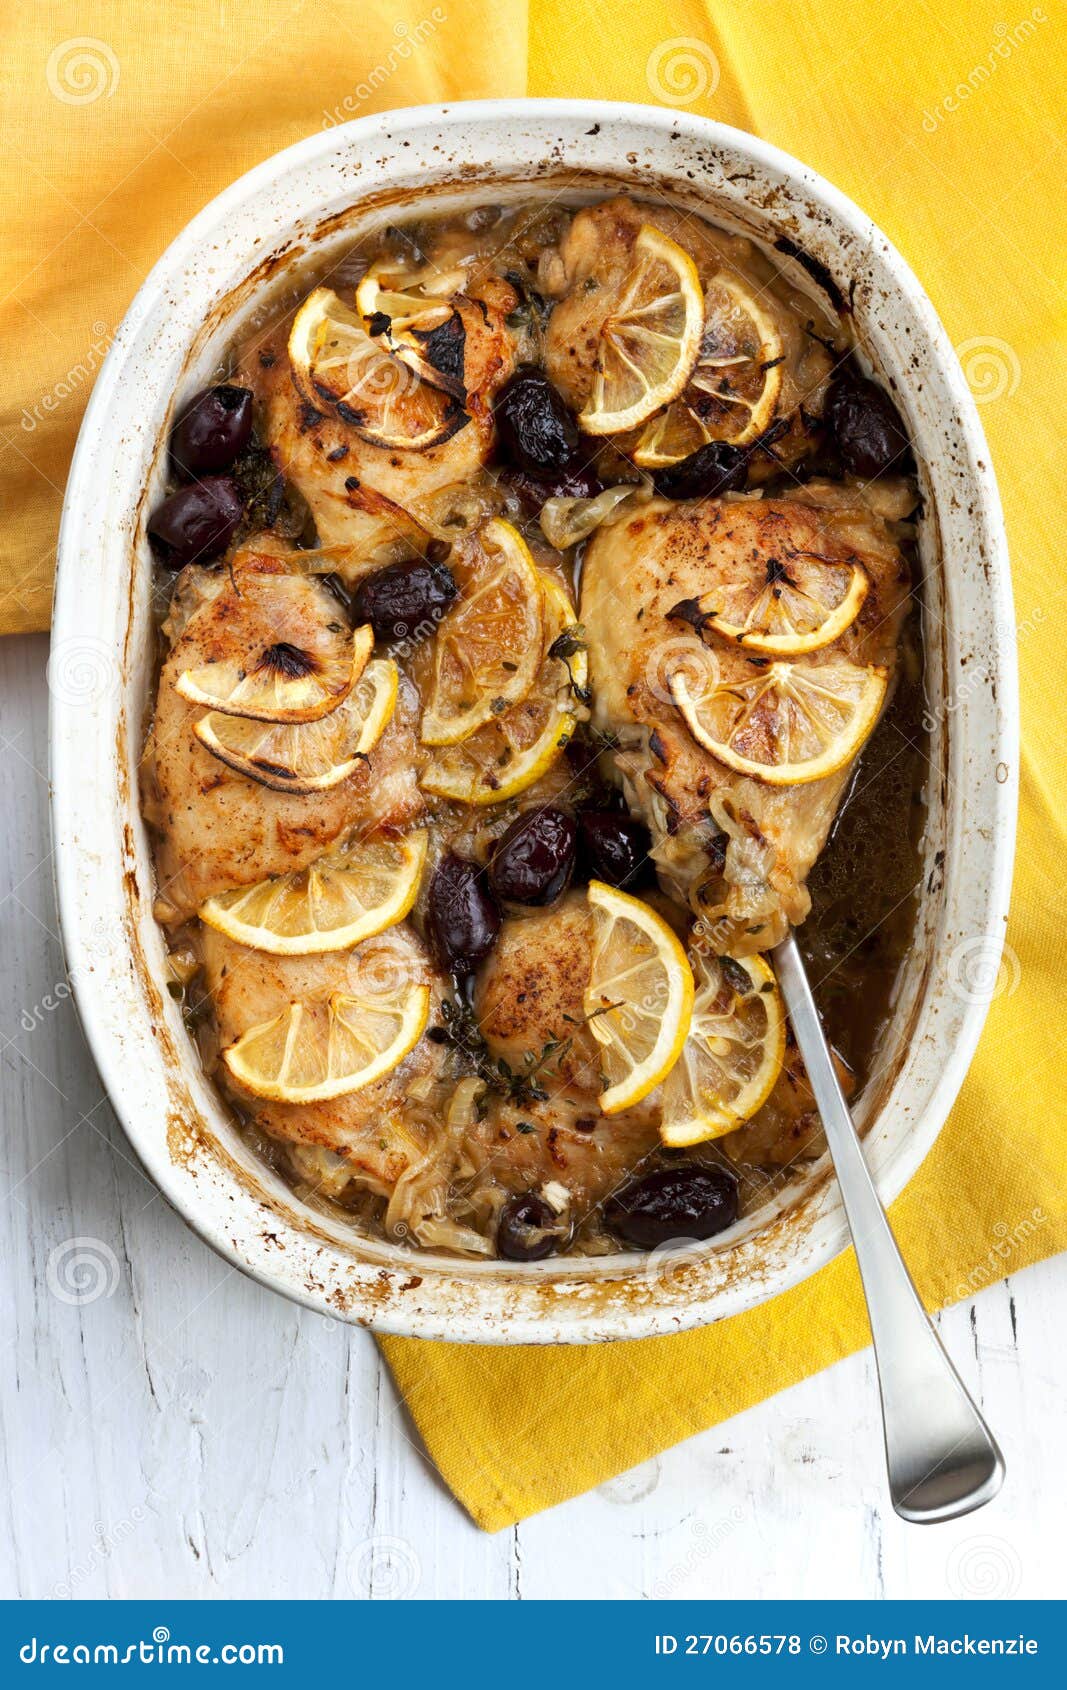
(565, 521)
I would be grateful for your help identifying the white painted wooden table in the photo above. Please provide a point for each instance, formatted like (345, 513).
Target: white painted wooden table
(170, 1429)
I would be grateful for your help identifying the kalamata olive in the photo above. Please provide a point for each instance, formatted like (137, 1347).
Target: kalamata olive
(688, 1200)
(526, 1230)
(197, 522)
(462, 917)
(212, 430)
(534, 859)
(865, 426)
(615, 846)
(711, 470)
(537, 428)
(533, 491)
(404, 600)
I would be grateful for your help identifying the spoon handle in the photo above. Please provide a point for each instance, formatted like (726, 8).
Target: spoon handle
(942, 1458)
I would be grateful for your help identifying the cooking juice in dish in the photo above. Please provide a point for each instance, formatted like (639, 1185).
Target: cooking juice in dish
(538, 644)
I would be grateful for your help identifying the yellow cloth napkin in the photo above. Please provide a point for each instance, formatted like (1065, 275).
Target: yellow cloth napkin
(120, 119)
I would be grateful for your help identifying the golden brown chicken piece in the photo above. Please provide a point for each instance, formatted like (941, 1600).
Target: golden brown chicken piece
(597, 254)
(362, 495)
(216, 828)
(736, 847)
(373, 1130)
(528, 1003)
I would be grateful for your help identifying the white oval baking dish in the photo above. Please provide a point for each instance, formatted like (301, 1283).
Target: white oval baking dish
(304, 201)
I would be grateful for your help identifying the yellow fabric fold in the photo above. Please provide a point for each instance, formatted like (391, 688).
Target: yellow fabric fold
(121, 119)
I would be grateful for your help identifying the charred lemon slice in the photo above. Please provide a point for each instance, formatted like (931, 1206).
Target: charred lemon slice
(790, 606)
(338, 902)
(487, 650)
(734, 1052)
(307, 756)
(283, 682)
(639, 1000)
(409, 309)
(335, 361)
(312, 1052)
(789, 724)
(512, 751)
(733, 391)
(649, 339)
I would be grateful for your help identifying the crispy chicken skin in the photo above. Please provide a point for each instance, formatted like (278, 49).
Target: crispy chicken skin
(528, 1001)
(361, 494)
(738, 849)
(215, 828)
(597, 253)
(368, 1128)
(529, 994)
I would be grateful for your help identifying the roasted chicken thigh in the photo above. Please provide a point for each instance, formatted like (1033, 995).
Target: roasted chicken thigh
(737, 849)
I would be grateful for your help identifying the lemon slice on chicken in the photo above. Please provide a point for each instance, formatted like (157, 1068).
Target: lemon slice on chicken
(409, 309)
(312, 1052)
(787, 606)
(733, 1055)
(335, 361)
(487, 649)
(284, 682)
(334, 904)
(733, 391)
(307, 756)
(650, 338)
(512, 751)
(787, 724)
(639, 1000)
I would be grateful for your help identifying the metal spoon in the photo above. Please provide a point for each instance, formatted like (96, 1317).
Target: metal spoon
(942, 1458)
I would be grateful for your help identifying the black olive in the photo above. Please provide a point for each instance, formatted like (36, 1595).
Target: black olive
(615, 847)
(537, 429)
(865, 426)
(688, 1200)
(534, 859)
(713, 469)
(212, 430)
(197, 522)
(404, 600)
(533, 490)
(526, 1230)
(462, 917)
